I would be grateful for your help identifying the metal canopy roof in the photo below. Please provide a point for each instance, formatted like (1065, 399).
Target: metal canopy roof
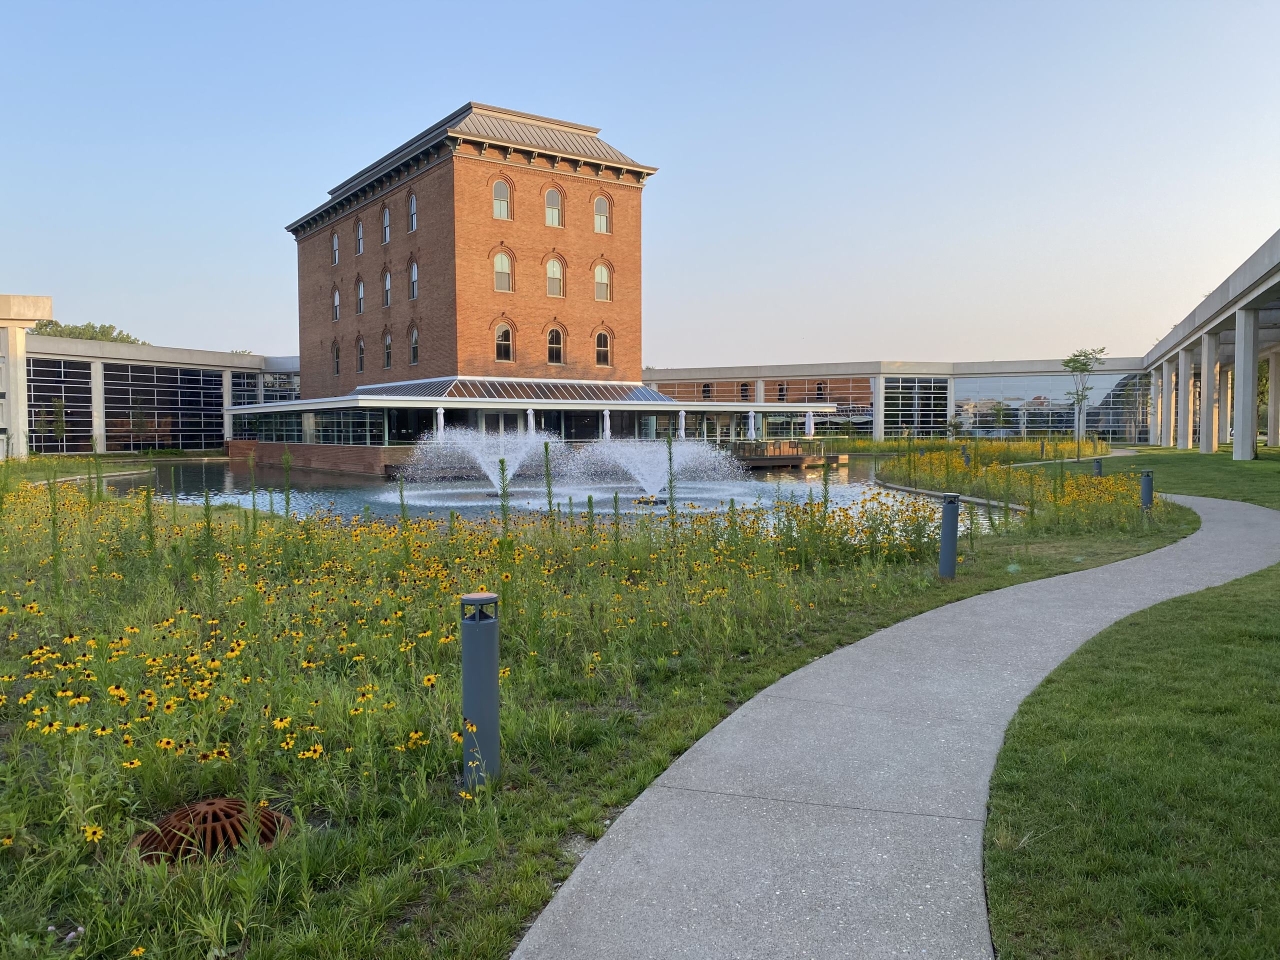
(479, 388)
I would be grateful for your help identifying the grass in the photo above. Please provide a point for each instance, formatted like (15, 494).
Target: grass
(152, 655)
(1205, 475)
(1133, 808)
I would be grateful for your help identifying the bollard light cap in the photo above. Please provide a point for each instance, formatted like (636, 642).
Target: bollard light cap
(480, 598)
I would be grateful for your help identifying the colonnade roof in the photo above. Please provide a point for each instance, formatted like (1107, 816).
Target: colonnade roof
(875, 368)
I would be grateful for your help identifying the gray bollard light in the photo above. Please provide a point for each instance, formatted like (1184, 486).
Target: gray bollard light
(480, 740)
(1148, 489)
(950, 533)
(1097, 468)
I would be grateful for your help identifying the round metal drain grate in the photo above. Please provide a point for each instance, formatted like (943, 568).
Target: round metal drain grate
(208, 828)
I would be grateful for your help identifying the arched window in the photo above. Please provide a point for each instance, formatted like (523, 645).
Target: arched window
(336, 365)
(360, 355)
(386, 225)
(386, 351)
(359, 238)
(413, 281)
(782, 392)
(603, 224)
(706, 391)
(501, 200)
(604, 283)
(413, 213)
(602, 349)
(336, 300)
(502, 343)
(334, 239)
(822, 390)
(555, 278)
(744, 391)
(555, 346)
(502, 273)
(413, 346)
(555, 216)
(386, 289)
(359, 296)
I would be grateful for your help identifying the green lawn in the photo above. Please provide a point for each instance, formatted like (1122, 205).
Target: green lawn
(1205, 475)
(1134, 808)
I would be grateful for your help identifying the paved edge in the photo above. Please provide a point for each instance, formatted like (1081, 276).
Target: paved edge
(840, 812)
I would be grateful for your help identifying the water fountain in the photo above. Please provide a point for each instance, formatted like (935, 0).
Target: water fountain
(459, 452)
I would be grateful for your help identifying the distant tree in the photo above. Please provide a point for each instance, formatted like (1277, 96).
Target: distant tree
(1081, 365)
(84, 331)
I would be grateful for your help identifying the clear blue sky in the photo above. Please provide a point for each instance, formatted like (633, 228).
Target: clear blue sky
(855, 181)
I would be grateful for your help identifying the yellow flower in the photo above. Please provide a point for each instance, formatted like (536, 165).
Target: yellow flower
(165, 743)
(133, 764)
(430, 680)
(281, 722)
(92, 834)
(139, 951)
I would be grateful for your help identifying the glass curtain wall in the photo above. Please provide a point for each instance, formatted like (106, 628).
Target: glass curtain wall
(267, 427)
(162, 408)
(915, 406)
(1040, 406)
(59, 406)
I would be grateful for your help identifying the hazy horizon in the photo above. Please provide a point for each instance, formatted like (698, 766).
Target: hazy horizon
(846, 182)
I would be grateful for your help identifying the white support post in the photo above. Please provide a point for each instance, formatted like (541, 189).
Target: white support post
(1224, 404)
(1155, 419)
(1246, 386)
(98, 406)
(1166, 404)
(1273, 401)
(1184, 398)
(877, 408)
(1210, 376)
(226, 406)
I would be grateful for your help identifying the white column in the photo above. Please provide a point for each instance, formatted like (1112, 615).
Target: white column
(1154, 420)
(1224, 404)
(13, 384)
(1184, 398)
(759, 391)
(1273, 400)
(1246, 385)
(877, 408)
(1210, 374)
(605, 430)
(98, 406)
(680, 432)
(226, 405)
(1166, 404)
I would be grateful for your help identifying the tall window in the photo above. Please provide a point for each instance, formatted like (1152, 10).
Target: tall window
(359, 296)
(413, 281)
(386, 351)
(502, 273)
(413, 213)
(413, 346)
(360, 355)
(744, 391)
(386, 225)
(604, 283)
(555, 278)
(386, 289)
(501, 200)
(555, 346)
(336, 299)
(706, 391)
(337, 368)
(603, 224)
(782, 392)
(822, 390)
(602, 349)
(334, 239)
(502, 343)
(359, 238)
(555, 216)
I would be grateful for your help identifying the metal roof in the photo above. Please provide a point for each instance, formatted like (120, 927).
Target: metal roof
(481, 388)
(553, 136)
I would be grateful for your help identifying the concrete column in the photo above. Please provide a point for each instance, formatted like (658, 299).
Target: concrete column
(877, 408)
(759, 391)
(1273, 400)
(1184, 399)
(98, 406)
(1167, 404)
(13, 385)
(1224, 404)
(309, 426)
(1246, 385)
(1210, 375)
(1157, 406)
(262, 379)
(226, 405)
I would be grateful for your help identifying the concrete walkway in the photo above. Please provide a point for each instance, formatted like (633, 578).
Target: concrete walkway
(839, 813)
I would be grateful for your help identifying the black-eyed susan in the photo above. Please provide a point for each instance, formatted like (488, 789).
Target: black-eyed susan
(92, 833)
(133, 764)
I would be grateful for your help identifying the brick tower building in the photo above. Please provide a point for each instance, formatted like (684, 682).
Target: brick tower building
(495, 244)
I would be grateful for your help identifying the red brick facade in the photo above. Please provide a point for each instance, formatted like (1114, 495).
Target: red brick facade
(458, 311)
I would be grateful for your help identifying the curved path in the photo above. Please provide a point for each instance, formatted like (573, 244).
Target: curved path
(839, 813)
